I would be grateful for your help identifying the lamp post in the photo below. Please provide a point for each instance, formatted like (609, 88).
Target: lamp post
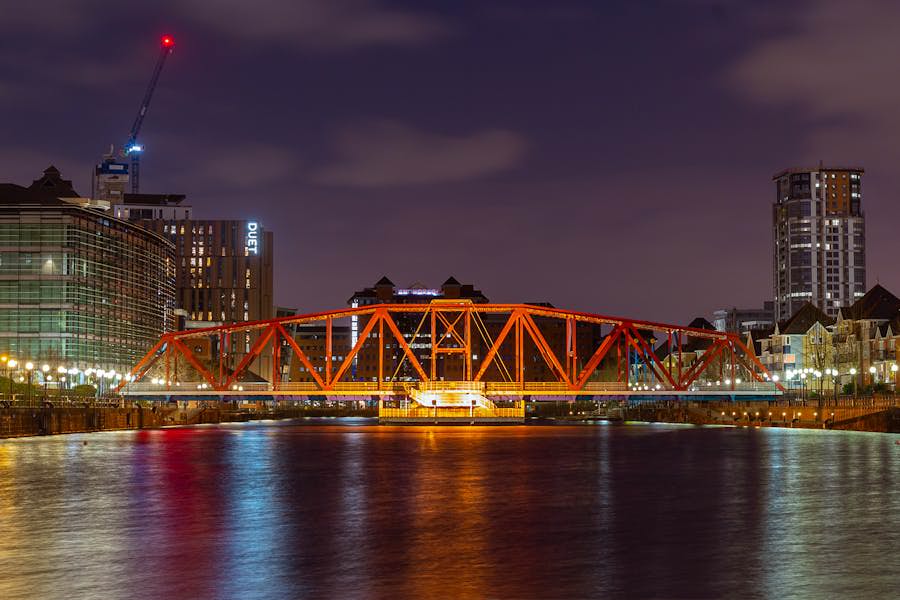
(853, 377)
(894, 369)
(10, 367)
(872, 371)
(29, 367)
(45, 369)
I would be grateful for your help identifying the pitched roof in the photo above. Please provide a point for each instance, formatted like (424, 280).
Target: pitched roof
(385, 281)
(52, 184)
(877, 304)
(46, 190)
(701, 323)
(452, 281)
(757, 335)
(805, 317)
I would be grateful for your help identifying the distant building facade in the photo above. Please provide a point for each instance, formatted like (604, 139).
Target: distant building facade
(365, 367)
(741, 320)
(223, 268)
(78, 287)
(819, 237)
(484, 330)
(311, 338)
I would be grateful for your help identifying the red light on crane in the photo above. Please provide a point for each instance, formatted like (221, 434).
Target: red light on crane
(167, 41)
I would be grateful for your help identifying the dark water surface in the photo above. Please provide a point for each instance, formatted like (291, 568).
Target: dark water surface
(344, 509)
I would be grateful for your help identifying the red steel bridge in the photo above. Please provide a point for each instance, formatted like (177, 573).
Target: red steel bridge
(449, 346)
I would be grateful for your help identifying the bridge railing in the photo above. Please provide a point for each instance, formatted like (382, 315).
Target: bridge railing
(489, 388)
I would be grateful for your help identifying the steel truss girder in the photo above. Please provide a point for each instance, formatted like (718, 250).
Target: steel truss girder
(447, 318)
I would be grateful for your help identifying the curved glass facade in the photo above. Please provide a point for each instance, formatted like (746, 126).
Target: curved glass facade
(80, 288)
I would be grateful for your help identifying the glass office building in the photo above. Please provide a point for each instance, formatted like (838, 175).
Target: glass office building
(78, 287)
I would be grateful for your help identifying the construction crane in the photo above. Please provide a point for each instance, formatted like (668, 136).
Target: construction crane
(133, 148)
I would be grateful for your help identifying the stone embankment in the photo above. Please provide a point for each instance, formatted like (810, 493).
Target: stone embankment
(47, 420)
(876, 417)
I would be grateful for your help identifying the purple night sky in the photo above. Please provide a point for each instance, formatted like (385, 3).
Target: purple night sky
(608, 156)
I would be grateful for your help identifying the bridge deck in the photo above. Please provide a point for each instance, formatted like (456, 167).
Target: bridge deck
(490, 389)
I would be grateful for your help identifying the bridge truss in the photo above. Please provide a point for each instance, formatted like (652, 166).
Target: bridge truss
(496, 349)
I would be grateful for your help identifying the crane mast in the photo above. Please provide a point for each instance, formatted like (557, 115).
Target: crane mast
(133, 147)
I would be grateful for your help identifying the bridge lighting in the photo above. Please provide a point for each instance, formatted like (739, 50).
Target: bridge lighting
(727, 382)
(737, 381)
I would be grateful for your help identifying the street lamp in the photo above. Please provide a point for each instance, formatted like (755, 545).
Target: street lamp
(853, 376)
(45, 368)
(29, 366)
(10, 364)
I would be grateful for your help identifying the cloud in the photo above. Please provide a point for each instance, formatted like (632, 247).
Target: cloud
(386, 153)
(60, 17)
(250, 165)
(321, 24)
(835, 61)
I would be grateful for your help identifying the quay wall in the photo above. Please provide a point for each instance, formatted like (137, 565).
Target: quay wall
(874, 419)
(33, 421)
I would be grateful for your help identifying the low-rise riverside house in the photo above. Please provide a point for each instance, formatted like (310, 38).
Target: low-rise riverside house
(81, 291)
(814, 351)
(865, 337)
(692, 349)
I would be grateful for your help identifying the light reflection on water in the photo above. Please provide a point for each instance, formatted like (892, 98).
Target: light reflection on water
(341, 509)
